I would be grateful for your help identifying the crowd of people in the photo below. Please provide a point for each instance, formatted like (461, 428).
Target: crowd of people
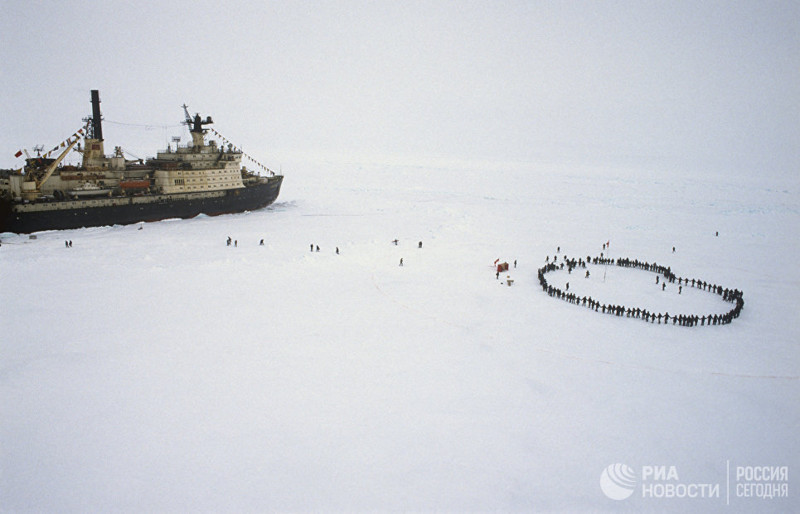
(729, 295)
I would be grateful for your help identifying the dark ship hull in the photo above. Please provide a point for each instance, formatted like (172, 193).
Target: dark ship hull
(70, 214)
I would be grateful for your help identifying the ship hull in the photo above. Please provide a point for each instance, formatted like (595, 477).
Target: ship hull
(71, 214)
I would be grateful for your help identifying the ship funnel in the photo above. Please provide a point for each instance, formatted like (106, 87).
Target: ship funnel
(97, 125)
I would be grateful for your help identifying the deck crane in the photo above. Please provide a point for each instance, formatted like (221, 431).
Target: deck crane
(35, 178)
(52, 167)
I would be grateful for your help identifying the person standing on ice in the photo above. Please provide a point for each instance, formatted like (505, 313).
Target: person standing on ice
(401, 261)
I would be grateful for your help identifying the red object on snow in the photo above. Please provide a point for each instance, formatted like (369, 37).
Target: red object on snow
(503, 266)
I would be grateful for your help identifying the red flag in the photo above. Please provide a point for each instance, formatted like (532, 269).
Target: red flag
(18, 153)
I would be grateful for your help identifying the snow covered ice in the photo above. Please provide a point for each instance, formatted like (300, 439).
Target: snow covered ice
(161, 370)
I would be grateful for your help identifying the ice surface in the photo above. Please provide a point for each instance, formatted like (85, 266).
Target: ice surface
(161, 370)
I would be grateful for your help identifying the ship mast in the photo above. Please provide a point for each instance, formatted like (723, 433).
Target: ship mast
(196, 126)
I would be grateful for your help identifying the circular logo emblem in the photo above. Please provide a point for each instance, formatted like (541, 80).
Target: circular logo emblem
(618, 481)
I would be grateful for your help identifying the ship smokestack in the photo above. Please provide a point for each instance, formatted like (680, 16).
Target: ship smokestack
(97, 126)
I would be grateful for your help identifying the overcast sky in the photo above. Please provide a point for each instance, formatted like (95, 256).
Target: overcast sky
(701, 85)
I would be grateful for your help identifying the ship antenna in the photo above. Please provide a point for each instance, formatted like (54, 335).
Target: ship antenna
(195, 124)
(186, 113)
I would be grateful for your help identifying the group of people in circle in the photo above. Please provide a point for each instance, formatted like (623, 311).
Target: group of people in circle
(729, 295)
